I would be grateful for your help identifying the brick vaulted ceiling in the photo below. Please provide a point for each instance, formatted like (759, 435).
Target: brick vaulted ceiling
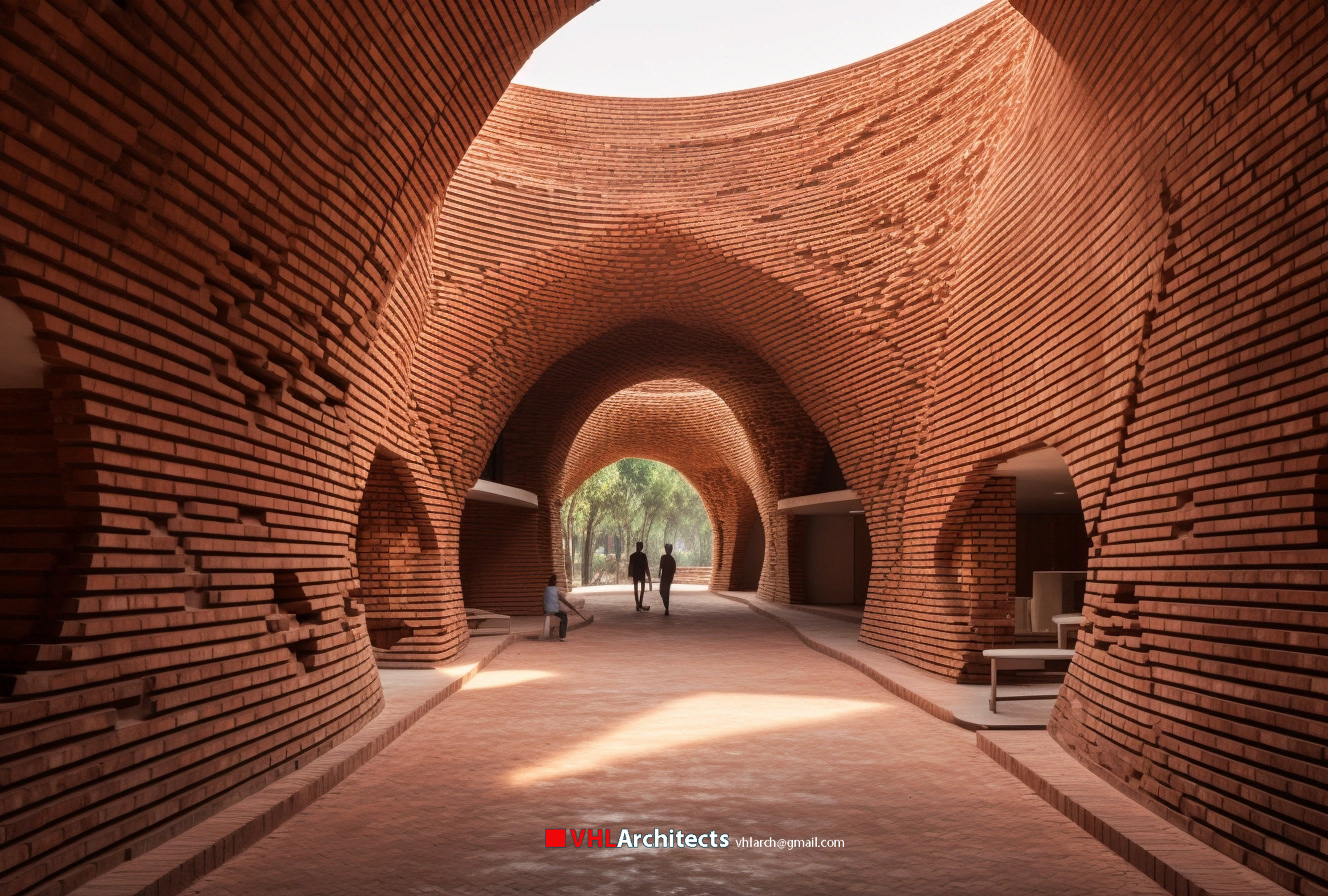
(274, 302)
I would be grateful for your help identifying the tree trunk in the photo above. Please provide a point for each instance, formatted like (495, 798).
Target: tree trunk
(588, 544)
(567, 518)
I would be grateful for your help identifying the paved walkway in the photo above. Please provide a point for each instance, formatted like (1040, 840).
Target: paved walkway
(714, 718)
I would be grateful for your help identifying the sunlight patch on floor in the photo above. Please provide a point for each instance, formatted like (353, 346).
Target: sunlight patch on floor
(501, 678)
(692, 720)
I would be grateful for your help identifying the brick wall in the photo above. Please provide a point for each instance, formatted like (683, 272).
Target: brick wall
(693, 575)
(1206, 594)
(1082, 226)
(1090, 226)
(220, 218)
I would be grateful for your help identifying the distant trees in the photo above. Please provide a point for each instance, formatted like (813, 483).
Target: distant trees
(626, 502)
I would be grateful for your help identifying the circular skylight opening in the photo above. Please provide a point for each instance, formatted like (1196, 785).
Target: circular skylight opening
(646, 48)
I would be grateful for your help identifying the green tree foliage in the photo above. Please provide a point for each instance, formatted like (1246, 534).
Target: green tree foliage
(626, 502)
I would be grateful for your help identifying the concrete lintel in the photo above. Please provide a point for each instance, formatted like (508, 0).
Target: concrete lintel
(497, 493)
(822, 504)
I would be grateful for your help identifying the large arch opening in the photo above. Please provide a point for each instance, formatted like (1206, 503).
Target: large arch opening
(653, 389)
(1013, 549)
(629, 501)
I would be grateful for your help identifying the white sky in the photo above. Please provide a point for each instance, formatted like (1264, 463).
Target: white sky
(696, 47)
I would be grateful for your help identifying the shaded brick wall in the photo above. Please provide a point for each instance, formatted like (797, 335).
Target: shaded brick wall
(220, 218)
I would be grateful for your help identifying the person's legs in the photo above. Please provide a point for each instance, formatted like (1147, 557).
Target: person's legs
(664, 585)
(638, 591)
(562, 624)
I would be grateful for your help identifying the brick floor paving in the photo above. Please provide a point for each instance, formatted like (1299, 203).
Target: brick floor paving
(711, 719)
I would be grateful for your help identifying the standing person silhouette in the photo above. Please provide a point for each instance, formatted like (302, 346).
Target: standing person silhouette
(667, 567)
(638, 567)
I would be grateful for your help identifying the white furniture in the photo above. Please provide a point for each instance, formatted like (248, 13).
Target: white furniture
(1021, 658)
(1064, 622)
(1053, 594)
(550, 628)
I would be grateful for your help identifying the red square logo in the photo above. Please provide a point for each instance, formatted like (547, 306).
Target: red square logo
(555, 838)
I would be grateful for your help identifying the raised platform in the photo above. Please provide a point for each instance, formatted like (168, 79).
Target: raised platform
(1170, 856)
(836, 634)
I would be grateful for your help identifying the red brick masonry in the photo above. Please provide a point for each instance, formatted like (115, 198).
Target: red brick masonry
(285, 323)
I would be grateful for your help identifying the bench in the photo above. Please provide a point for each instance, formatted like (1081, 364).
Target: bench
(482, 622)
(1021, 658)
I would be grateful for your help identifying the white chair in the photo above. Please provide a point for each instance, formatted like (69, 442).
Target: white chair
(550, 627)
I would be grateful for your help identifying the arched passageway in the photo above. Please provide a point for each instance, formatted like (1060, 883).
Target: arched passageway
(737, 450)
(1002, 235)
(636, 501)
(691, 429)
(398, 565)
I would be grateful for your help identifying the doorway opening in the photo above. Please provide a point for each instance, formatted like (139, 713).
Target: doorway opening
(396, 553)
(1050, 547)
(636, 500)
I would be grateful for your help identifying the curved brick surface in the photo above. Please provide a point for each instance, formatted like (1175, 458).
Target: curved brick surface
(1092, 226)
(219, 218)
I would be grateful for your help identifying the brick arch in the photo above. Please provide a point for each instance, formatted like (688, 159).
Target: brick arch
(786, 448)
(398, 564)
(1000, 231)
(974, 555)
(806, 223)
(691, 429)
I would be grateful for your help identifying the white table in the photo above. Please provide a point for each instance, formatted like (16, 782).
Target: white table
(1063, 622)
(1019, 657)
